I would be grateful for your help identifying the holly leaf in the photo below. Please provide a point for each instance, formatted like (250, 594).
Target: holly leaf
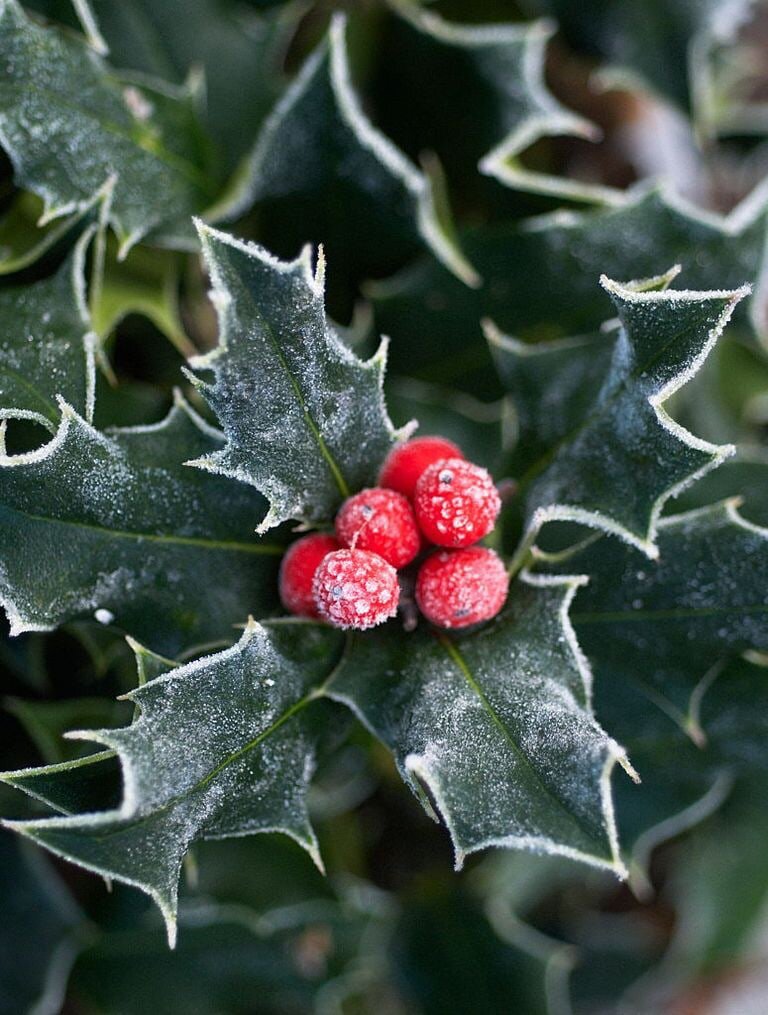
(246, 711)
(476, 94)
(497, 727)
(693, 720)
(47, 343)
(113, 525)
(318, 149)
(71, 128)
(539, 279)
(618, 465)
(304, 419)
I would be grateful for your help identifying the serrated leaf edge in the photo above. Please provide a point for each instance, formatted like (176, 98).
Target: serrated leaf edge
(221, 299)
(597, 520)
(130, 802)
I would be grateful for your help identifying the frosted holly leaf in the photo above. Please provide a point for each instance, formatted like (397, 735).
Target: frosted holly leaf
(69, 126)
(615, 469)
(706, 597)
(539, 278)
(497, 727)
(319, 150)
(304, 419)
(476, 94)
(666, 683)
(47, 343)
(553, 385)
(223, 746)
(114, 526)
(238, 51)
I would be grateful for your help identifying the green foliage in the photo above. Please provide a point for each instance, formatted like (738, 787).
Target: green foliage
(630, 415)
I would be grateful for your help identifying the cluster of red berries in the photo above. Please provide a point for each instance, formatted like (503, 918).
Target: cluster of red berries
(427, 494)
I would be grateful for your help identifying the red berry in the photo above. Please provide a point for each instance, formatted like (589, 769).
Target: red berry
(456, 588)
(381, 521)
(356, 588)
(298, 569)
(456, 502)
(405, 463)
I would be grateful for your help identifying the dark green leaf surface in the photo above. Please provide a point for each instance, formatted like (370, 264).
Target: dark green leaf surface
(36, 957)
(496, 726)
(138, 539)
(69, 126)
(614, 467)
(540, 279)
(475, 93)
(304, 419)
(237, 52)
(47, 343)
(659, 634)
(319, 150)
(223, 746)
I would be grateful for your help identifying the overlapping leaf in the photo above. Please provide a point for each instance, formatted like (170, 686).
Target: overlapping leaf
(539, 279)
(476, 94)
(69, 127)
(319, 151)
(615, 467)
(304, 419)
(114, 525)
(497, 727)
(660, 635)
(245, 710)
(47, 343)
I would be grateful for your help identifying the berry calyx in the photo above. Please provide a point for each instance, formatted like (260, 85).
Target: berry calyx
(356, 589)
(297, 570)
(456, 502)
(404, 464)
(457, 588)
(381, 521)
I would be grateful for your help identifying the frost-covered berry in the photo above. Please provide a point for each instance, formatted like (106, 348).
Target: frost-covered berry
(404, 464)
(456, 502)
(298, 569)
(356, 588)
(381, 521)
(456, 588)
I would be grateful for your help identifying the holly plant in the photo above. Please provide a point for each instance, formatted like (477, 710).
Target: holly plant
(301, 618)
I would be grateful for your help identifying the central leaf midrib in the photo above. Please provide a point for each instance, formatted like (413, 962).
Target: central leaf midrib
(457, 658)
(292, 710)
(331, 462)
(267, 549)
(7, 370)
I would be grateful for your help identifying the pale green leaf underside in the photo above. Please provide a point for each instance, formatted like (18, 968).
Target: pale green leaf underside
(69, 127)
(318, 142)
(47, 343)
(222, 747)
(115, 525)
(616, 466)
(497, 726)
(304, 419)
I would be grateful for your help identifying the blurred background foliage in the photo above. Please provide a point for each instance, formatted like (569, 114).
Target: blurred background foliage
(679, 91)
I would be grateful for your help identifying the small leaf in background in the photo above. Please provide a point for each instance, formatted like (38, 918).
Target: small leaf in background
(304, 418)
